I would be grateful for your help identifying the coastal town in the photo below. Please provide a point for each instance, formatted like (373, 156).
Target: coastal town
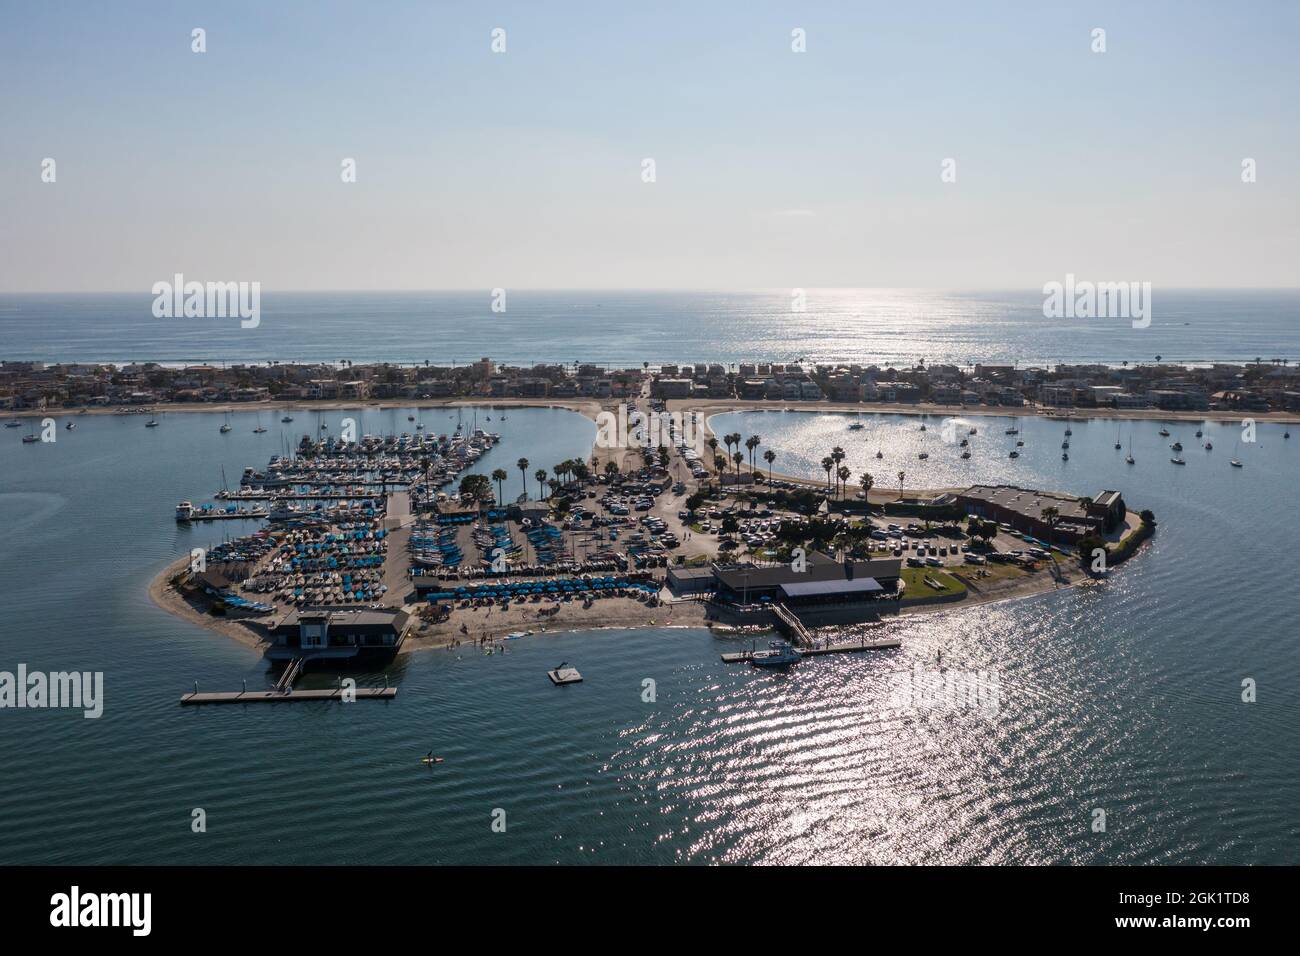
(1262, 387)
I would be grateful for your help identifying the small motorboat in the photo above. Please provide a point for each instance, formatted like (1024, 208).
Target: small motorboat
(923, 455)
(966, 454)
(258, 430)
(1198, 433)
(151, 423)
(1013, 431)
(778, 655)
(1164, 432)
(1178, 461)
(30, 439)
(13, 424)
(1176, 446)
(856, 427)
(1235, 463)
(287, 419)
(1020, 444)
(1068, 433)
(70, 426)
(1014, 454)
(225, 428)
(410, 418)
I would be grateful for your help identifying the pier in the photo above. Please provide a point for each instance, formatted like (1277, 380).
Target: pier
(846, 647)
(285, 697)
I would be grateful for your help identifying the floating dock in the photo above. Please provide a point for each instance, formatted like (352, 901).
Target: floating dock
(564, 675)
(282, 697)
(847, 647)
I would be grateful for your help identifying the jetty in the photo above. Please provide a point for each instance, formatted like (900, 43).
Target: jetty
(843, 647)
(286, 697)
(284, 692)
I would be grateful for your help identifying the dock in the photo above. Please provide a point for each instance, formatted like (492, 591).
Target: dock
(285, 697)
(848, 647)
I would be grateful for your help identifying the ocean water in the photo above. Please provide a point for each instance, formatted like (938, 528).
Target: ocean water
(881, 326)
(1124, 697)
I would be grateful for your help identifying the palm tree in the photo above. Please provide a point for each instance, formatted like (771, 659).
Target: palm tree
(867, 482)
(719, 463)
(1051, 514)
(522, 465)
(837, 455)
(901, 476)
(500, 475)
(827, 464)
(713, 444)
(752, 443)
(769, 456)
(540, 475)
(843, 473)
(738, 456)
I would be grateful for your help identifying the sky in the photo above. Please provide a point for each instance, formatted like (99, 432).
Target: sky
(524, 169)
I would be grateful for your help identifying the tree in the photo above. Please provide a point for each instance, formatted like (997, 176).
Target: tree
(540, 475)
(844, 474)
(476, 488)
(500, 475)
(901, 476)
(769, 456)
(1051, 514)
(752, 443)
(729, 524)
(867, 483)
(738, 456)
(828, 463)
(611, 468)
(522, 465)
(837, 455)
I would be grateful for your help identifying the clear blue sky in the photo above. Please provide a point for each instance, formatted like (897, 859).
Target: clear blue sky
(775, 169)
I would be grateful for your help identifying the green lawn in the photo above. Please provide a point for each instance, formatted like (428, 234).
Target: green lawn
(916, 586)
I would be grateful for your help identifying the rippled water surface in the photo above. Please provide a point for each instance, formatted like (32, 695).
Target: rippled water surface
(1124, 697)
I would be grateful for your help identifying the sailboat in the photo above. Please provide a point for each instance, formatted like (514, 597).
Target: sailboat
(1118, 445)
(1235, 462)
(287, 418)
(260, 429)
(226, 426)
(1129, 459)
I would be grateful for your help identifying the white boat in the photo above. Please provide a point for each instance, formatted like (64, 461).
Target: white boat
(1178, 461)
(779, 655)
(1234, 463)
(184, 511)
(151, 423)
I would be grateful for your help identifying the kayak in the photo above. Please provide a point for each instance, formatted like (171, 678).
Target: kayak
(430, 760)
